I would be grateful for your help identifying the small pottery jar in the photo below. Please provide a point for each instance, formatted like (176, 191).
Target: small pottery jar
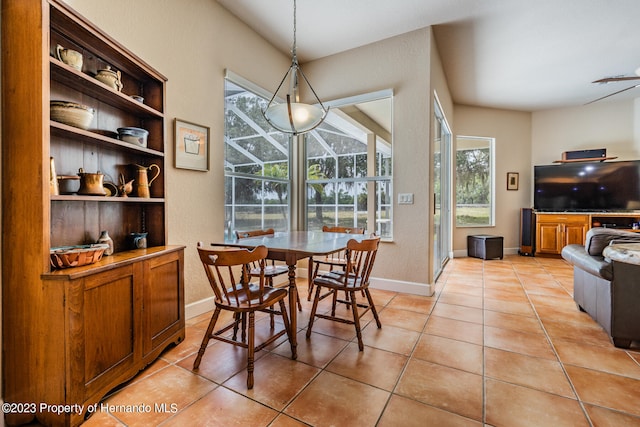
(69, 57)
(110, 78)
(106, 239)
(138, 240)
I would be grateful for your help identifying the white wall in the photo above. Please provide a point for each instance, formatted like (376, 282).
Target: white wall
(400, 63)
(614, 125)
(191, 43)
(512, 133)
(527, 139)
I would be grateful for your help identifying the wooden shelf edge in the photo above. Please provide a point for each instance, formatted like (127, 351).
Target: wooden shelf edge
(99, 90)
(594, 159)
(82, 198)
(110, 262)
(96, 138)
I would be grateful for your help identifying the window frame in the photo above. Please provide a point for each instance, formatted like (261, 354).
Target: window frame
(491, 175)
(387, 180)
(262, 179)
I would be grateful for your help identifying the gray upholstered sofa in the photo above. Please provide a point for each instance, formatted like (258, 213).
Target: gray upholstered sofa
(608, 290)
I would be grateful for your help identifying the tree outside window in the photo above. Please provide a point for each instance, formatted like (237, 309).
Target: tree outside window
(256, 165)
(349, 175)
(474, 181)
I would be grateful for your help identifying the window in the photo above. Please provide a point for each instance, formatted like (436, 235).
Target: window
(474, 181)
(256, 163)
(348, 164)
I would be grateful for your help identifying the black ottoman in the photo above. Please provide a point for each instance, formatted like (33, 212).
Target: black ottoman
(484, 246)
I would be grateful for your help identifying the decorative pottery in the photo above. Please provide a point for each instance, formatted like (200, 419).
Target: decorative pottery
(138, 240)
(69, 57)
(110, 78)
(136, 136)
(107, 240)
(91, 184)
(142, 187)
(110, 189)
(125, 188)
(71, 113)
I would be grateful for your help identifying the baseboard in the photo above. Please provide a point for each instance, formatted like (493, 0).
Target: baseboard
(413, 288)
(199, 307)
(204, 305)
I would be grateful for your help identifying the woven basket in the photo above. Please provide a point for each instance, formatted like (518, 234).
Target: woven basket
(75, 256)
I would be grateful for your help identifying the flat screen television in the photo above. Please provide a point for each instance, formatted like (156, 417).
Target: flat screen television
(587, 186)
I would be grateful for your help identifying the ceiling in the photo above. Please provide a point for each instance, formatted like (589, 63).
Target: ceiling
(524, 55)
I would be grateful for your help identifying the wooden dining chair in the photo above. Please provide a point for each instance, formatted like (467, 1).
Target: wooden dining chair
(332, 261)
(271, 269)
(238, 295)
(354, 279)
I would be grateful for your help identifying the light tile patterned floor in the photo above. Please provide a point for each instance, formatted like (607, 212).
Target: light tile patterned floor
(501, 343)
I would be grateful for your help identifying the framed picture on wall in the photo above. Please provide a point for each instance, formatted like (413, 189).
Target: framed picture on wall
(191, 146)
(513, 179)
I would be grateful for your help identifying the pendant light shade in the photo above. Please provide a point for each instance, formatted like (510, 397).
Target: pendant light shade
(293, 116)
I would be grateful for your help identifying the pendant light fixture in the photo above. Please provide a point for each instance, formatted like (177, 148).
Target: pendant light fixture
(293, 116)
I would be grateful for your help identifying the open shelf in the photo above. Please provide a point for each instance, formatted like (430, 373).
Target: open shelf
(594, 159)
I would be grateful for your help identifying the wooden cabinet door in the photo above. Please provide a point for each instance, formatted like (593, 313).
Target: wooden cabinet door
(574, 234)
(549, 238)
(111, 325)
(163, 301)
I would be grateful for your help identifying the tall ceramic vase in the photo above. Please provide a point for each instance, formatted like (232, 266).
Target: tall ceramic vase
(106, 239)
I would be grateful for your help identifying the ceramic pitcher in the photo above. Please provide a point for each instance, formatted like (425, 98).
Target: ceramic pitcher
(143, 182)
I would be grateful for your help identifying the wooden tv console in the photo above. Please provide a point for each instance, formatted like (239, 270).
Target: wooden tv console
(555, 230)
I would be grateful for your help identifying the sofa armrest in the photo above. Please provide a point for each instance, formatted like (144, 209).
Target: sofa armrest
(593, 264)
(599, 238)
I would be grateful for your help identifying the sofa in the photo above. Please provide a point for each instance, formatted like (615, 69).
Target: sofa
(609, 291)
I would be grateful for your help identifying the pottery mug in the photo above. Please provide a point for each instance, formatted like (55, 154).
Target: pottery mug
(69, 57)
(138, 240)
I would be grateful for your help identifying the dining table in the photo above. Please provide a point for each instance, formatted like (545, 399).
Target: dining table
(291, 247)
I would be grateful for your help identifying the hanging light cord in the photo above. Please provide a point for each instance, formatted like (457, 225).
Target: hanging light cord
(285, 121)
(293, 49)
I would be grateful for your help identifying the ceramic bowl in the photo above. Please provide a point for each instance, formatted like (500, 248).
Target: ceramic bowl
(136, 136)
(72, 114)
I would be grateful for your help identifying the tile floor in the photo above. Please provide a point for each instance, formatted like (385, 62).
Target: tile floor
(501, 343)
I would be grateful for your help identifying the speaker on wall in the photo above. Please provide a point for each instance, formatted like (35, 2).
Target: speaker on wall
(584, 154)
(527, 232)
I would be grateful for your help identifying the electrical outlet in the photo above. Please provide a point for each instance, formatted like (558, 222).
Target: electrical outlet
(405, 198)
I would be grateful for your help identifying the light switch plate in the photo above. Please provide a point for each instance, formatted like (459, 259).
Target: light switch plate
(405, 198)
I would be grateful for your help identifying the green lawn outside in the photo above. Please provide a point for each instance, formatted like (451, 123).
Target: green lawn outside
(472, 215)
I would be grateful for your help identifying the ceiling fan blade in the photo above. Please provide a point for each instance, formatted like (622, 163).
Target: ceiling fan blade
(611, 94)
(616, 79)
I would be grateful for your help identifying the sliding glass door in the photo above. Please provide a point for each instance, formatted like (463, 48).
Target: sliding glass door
(441, 191)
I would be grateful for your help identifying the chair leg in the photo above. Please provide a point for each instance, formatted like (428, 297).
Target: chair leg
(251, 349)
(313, 276)
(312, 315)
(287, 324)
(373, 307)
(272, 322)
(206, 338)
(356, 319)
(236, 317)
(298, 300)
(309, 278)
(243, 316)
(335, 301)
